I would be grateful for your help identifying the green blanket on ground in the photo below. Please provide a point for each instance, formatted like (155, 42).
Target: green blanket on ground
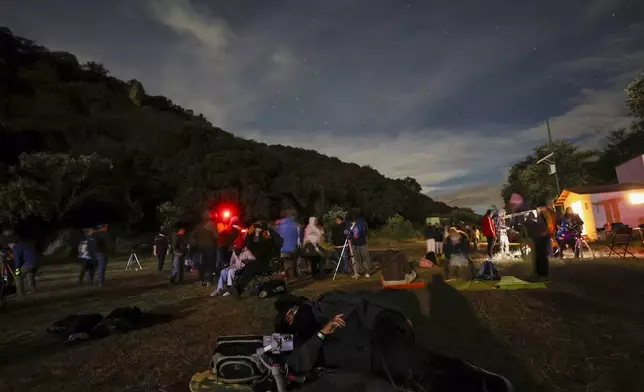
(506, 283)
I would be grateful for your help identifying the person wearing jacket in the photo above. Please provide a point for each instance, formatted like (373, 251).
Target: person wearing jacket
(312, 251)
(97, 247)
(502, 233)
(362, 258)
(341, 247)
(489, 231)
(369, 335)
(26, 262)
(160, 249)
(205, 238)
(430, 237)
(178, 248)
(289, 231)
(240, 257)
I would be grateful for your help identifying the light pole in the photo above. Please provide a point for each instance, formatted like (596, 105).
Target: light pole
(549, 160)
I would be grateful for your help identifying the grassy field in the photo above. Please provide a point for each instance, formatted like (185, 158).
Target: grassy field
(584, 333)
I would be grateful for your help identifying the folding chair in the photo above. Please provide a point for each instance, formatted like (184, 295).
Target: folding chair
(621, 240)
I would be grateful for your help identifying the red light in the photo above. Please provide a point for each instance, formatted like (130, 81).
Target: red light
(226, 214)
(244, 231)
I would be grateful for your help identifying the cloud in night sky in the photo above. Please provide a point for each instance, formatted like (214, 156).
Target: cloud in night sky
(450, 94)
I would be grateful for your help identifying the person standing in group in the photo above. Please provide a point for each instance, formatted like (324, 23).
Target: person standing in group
(312, 251)
(341, 248)
(489, 231)
(206, 240)
(541, 228)
(362, 259)
(26, 261)
(502, 233)
(97, 247)
(430, 237)
(289, 231)
(87, 263)
(160, 249)
(178, 249)
(439, 236)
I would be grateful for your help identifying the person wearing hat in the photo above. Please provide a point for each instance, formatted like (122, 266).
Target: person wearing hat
(26, 263)
(97, 247)
(366, 334)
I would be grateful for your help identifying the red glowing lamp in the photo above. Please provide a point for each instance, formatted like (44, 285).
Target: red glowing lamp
(225, 214)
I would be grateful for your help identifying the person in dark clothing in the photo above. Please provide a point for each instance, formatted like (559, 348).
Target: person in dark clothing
(26, 264)
(430, 237)
(206, 244)
(97, 247)
(367, 335)
(341, 248)
(178, 248)
(541, 228)
(260, 242)
(160, 249)
(439, 236)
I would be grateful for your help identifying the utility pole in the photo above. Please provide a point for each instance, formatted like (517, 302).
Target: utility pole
(553, 157)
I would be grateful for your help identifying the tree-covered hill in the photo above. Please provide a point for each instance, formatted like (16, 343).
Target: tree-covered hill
(98, 148)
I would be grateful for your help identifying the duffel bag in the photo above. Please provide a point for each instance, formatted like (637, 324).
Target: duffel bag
(233, 361)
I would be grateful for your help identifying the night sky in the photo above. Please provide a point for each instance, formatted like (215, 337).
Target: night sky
(451, 93)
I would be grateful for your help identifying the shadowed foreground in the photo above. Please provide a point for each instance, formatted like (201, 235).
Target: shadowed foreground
(582, 334)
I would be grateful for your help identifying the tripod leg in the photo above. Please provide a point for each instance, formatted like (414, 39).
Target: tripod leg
(137, 261)
(129, 263)
(344, 247)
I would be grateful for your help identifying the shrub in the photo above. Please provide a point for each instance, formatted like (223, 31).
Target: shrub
(398, 228)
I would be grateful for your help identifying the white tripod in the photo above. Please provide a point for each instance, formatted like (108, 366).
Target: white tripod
(344, 248)
(132, 258)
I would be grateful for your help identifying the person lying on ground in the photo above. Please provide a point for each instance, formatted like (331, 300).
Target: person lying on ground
(367, 334)
(396, 269)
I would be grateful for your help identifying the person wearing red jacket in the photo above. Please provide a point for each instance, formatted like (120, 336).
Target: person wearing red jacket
(489, 231)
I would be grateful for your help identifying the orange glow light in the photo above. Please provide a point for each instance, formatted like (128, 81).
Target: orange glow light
(636, 197)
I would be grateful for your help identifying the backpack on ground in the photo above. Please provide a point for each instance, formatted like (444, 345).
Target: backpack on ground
(488, 271)
(233, 361)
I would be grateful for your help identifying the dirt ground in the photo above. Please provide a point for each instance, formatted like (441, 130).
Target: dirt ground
(584, 333)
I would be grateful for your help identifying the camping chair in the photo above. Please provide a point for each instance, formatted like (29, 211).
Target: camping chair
(622, 238)
(263, 276)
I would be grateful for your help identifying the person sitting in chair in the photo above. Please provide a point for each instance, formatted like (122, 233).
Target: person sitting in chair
(241, 256)
(259, 242)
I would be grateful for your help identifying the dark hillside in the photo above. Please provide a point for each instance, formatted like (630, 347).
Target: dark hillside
(159, 152)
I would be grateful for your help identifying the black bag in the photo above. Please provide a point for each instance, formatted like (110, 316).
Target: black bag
(233, 362)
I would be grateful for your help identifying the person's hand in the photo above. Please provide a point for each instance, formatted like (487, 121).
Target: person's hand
(333, 324)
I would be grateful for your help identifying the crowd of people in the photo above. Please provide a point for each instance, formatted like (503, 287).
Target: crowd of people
(232, 256)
